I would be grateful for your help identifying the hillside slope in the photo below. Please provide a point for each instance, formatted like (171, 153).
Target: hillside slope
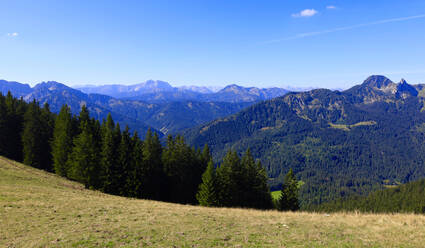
(39, 209)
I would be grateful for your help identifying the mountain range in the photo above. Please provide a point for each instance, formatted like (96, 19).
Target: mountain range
(339, 143)
(160, 91)
(153, 104)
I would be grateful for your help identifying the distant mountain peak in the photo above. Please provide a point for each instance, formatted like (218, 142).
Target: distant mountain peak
(404, 89)
(151, 86)
(232, 86)
(51, 85)
(17, 89)
(377, 81)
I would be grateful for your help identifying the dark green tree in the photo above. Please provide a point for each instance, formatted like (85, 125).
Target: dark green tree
(85, 160)
(108, 153)
(13, 116)
(36, 138)
(228, 174)
(206, 156)
(3, 127)
(62, 141)
(153, 173)
(289, 198)
(254, 188)
(136, 175)
(207, 194)
(125, 162)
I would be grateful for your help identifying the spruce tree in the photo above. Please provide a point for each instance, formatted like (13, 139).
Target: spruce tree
(153, 174)
(14, 121)
(227, 179)
(136, 175)
(206, 156)
(125, 162)
(97, 172)
(261, 188)
(289, 197)
(62, 141)
(3, 127)
(207, 194)
(83, 117)
(108, 153)
(85, 162)
(36, 148)
(113, 168)
(254, 189)
(48, 122)
(183, 168)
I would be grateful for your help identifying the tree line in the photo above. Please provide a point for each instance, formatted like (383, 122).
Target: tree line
(105, 157)
(406, 198)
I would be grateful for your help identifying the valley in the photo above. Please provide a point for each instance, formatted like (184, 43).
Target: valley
(148, 105)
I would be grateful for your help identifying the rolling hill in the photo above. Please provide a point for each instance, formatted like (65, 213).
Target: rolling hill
(40, 209)
(338, 143)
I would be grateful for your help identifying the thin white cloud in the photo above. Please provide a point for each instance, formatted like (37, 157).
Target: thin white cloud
(12, 34)
(331, 7)
(316, 33)
(306, 13)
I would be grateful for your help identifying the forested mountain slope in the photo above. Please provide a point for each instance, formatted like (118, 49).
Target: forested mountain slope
(338, 143)
(409, 198)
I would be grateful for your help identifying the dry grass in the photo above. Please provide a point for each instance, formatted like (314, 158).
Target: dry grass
(38, 209)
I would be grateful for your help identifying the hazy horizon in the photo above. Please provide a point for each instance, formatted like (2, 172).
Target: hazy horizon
(217, 87)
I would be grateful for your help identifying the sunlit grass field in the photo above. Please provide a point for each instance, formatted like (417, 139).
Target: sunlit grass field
(38, 209)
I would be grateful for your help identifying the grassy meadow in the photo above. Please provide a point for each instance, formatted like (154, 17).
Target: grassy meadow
(38, 209)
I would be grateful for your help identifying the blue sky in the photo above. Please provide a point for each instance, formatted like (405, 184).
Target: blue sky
(332, 44)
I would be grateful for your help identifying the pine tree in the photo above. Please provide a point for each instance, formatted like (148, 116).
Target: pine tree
(83, 117)
(62, 141)
(153, 174)
(125, 162)
(3, 127)
(261, 188)
(136, 175)
(97, 172)
(228, 175)
(108, 154)
(36, 148)
(206, 156)
(207, 194)
(289, 196)
(254, 189)
(48, 123)
(183, 168)
(13, 127)
(113, 174)
(85, 162)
